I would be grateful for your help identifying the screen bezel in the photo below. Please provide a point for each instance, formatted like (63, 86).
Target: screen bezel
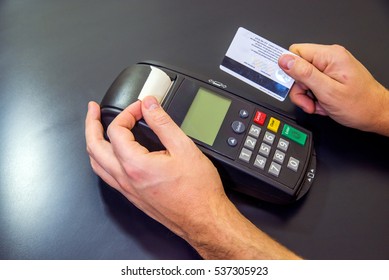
(181, 101)
(200, 117)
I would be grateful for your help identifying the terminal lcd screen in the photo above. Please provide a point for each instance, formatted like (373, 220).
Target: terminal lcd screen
(205, 116)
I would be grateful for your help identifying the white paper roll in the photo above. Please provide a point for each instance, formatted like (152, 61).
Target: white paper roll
(157, 84)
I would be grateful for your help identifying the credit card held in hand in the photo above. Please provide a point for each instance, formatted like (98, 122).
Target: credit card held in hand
(254, 60)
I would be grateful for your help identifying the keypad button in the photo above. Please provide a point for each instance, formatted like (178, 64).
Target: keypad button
(283, 145)
(259, 117)
(238, 127)
(243, 114)
(250, 142)
(273, 124)
(232, 142)
(254, 131)
(264, 149)
(260, 162)
(293, 164)
(269, 137)
(294, 134)
(279, 157)
(245, 155)
(275, 169)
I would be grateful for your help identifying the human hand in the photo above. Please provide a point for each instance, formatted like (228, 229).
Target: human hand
(178, 187)
(344, 88)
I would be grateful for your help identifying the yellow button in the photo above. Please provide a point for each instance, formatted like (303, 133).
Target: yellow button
(273, 125)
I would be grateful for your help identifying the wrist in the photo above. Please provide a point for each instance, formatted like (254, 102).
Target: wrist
(227, 234)
(381, 122)
(209, 233)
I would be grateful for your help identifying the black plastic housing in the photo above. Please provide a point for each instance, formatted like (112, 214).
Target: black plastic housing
(125, 90)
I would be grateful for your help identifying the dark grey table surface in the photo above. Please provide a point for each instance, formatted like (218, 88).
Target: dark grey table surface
(55, 56)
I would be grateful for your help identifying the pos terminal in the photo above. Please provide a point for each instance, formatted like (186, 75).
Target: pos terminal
(256, 150)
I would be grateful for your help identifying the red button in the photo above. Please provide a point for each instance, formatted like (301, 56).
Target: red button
(259, 118)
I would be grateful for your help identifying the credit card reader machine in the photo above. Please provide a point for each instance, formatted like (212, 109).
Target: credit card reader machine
(256, 150)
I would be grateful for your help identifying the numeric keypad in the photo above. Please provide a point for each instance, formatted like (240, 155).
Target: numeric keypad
(266, 149)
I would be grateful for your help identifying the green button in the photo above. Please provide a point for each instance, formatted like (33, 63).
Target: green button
(294, 134)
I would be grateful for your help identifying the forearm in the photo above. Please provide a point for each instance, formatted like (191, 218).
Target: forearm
(229, 235)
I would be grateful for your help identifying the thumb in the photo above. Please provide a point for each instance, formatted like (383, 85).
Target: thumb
(304, 72)
(170, 135)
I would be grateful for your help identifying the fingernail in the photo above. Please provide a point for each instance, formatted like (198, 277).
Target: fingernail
(150, 103)
(287, 61)
(90, 105)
